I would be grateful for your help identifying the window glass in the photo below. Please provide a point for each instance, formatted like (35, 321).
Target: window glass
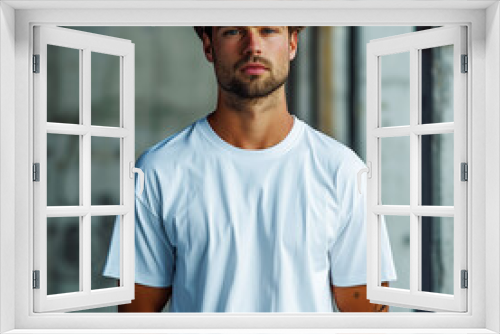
(105, 76)
(63, 170)
(395, 81)
(437, 254)
(395, 170)
(63, 255)
(101, 232)
(398, 232)
(105, 171)
(63, 85)
(437, 169)
(437, 84)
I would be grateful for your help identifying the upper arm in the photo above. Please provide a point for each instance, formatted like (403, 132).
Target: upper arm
(348, 250)
(147, 299)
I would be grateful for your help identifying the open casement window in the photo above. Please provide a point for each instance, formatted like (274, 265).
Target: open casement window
(416, 150)
(70, 150)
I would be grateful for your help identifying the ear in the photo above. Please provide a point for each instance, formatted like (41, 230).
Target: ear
(294, 39)
(207, 48)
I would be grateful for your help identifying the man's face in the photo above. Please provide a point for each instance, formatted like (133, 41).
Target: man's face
(251, 62)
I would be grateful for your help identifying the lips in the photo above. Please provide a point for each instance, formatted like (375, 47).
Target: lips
(254, 68)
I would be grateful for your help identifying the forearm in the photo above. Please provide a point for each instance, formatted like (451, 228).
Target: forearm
(353, 299)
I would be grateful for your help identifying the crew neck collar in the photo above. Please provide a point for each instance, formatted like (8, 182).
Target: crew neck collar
(281, 147)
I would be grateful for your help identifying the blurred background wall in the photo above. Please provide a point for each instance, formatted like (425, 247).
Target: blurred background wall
(175, 86)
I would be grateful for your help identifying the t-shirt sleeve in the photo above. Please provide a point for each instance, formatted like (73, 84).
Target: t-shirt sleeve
(348, 250)
(154, 254)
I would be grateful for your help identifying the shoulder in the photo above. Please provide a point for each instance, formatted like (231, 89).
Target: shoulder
(164, 164)
(336, 155)
(171, 150)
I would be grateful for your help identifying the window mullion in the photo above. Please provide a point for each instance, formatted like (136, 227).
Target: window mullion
(414, 170)
(85, 161)
(127, 192)
(373, 157)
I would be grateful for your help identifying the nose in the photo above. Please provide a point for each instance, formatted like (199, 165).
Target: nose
(253, 43)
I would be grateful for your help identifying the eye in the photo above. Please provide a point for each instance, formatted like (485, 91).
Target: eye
(269, 30)
(230, 32)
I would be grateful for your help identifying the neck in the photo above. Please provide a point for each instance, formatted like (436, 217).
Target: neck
(252, 124)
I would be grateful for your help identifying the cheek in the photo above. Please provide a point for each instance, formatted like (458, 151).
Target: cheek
(283, 60)
(226, 58)
(284, 53)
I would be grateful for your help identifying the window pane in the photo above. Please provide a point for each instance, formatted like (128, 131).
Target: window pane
(397, 234)
(395, 170)
(437, 85)
(102, 231)
(105, 171)
(437, 169)
(63, 170)
(105, 89)
(437, 254)
(63, 85)
(395, 89)
(63, 255)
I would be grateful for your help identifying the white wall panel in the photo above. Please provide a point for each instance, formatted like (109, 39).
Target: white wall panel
(7, 166)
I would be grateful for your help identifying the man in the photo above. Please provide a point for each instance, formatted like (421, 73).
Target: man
(250, 209)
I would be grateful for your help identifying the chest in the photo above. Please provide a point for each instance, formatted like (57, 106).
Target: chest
(248, 208)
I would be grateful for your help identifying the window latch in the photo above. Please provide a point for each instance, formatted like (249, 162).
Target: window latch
(140, 173)
(368, 171)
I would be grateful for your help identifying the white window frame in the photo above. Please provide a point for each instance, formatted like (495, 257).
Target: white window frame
(85, 44)
(16, 125)
(412, 44)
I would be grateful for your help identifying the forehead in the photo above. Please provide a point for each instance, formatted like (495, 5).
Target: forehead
(245, 27)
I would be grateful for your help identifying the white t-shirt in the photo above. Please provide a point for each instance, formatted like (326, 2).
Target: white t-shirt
(235, 230)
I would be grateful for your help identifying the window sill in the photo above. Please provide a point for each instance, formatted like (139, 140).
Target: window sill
(252, 331)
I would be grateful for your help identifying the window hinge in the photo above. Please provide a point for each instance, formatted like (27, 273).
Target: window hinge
(465, 279)
(36, 172)
(36, 63)
(465, 63)
(36, 279)
(465, 172)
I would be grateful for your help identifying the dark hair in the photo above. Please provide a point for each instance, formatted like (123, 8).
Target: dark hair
(208, 30)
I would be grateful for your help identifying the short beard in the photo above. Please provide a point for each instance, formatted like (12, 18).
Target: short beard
(247, 90)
